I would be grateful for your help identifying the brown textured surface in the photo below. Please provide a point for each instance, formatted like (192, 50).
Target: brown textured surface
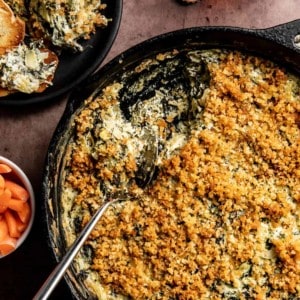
(25, 133)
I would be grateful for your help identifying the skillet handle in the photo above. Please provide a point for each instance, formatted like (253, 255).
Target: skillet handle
(287, 34)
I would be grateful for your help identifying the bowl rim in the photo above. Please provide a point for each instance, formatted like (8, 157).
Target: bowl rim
(28, 186)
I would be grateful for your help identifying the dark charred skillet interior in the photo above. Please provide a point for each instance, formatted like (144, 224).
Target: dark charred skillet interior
(275, 44)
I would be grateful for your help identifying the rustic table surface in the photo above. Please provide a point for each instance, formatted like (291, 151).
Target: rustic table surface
(25, 133)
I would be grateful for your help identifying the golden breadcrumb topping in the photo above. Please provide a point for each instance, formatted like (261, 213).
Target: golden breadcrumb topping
(222, 218)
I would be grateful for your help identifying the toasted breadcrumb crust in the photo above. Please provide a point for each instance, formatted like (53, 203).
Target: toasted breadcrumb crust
(222, 219)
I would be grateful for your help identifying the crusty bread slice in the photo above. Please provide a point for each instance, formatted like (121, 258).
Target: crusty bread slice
(50, 59)
(4, 92)
(12, 29)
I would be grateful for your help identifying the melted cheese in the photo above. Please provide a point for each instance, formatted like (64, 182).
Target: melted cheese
(65, 22)
(24, 69)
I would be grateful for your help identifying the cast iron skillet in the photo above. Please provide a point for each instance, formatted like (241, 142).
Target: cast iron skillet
(279, 44)
(73, 68)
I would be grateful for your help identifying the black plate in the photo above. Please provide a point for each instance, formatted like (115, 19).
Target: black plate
(75, 67)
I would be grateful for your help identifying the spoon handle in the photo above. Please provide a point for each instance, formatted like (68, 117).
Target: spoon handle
(59, 271)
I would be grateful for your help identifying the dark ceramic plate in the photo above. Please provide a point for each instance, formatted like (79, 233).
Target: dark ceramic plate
(75, 67)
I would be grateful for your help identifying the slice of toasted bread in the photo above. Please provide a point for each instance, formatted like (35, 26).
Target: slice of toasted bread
(51, 59)
(12, 29)
(36, 66)
(5, 92)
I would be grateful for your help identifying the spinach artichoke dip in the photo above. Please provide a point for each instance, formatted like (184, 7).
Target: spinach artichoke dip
(40, 30)
(27, 68)
(65, 22)
(220, 219)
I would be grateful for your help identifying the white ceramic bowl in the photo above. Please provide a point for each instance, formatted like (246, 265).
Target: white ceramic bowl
(18, 172)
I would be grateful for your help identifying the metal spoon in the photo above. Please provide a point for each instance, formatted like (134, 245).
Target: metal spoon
(55, 276)
(145, 175)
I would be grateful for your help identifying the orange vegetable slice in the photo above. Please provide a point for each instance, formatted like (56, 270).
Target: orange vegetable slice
(15, 211)
(4, 168)
(2, 184)
(24, 214)
(11, 224)
(5, 196)
(15, 204)
(7, 245)
(20, 225)
(3, 230)
(18, 192)
(3, 208)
